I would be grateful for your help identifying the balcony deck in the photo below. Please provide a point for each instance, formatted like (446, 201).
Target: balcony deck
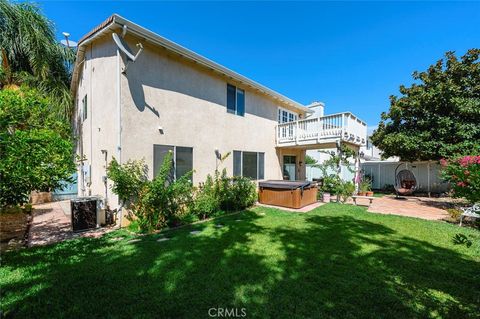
(322, 132)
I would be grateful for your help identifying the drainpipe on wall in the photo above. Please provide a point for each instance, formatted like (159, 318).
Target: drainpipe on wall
(133, 58)
(119, 118)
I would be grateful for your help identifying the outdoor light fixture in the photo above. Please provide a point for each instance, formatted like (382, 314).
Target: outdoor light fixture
(217, 154)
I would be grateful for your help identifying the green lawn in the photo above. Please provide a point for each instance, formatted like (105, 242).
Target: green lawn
(335, 262)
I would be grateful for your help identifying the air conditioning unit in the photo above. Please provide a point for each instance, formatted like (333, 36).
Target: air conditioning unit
(85, 213)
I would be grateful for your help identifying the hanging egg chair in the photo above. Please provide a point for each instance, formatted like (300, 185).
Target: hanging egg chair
(405, 182)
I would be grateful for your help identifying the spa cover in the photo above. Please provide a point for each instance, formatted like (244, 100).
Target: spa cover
(285, 184)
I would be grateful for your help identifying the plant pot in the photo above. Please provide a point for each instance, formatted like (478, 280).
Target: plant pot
(326, 197)
(362, 193)
(369, 193)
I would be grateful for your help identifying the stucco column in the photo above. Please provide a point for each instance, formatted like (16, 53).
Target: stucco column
(357, 172)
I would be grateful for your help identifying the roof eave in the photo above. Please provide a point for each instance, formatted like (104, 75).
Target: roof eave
(182, 51)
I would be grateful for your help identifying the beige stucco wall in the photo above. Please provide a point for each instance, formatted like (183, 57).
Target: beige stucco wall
(186, 101)
(98, 132)
(189, 104)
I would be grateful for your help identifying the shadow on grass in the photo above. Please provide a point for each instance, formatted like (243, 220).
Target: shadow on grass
(279, 265)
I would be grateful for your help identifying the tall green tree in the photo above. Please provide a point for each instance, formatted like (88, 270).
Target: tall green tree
(436, 117)
(31, 55)
(35, 146)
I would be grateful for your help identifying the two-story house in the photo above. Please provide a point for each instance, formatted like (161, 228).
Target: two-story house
(139, 95)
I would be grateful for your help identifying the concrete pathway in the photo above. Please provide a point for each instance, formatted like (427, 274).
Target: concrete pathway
(51, 224)
(420, 207)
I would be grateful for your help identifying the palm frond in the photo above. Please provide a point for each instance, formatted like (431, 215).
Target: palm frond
(32, 54)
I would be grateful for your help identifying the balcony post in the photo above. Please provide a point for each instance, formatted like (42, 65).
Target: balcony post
(296, 132)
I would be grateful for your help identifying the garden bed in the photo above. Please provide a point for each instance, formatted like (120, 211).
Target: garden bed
(14, 223)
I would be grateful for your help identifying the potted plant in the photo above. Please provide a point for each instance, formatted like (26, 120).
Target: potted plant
(363, 188)
(329, 187)
(368, 186)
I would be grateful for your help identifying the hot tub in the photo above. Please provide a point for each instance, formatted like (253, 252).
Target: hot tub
(292, 194)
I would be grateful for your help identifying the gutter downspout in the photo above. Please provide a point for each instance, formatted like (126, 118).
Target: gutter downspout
(119, 118)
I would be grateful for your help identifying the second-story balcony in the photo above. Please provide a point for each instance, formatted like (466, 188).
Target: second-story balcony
(322, 131)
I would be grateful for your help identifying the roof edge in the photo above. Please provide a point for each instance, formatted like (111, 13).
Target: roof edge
(172, 46)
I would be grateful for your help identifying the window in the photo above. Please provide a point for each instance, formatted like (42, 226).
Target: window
(285, 116)
(235, 100)
(84, 107)
(182, 159)
(249, 164)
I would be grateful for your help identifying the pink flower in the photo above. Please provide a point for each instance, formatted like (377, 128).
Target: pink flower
(468, 160)
(461, 184)
(443, 162)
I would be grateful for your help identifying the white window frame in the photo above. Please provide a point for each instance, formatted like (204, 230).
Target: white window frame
(280, 115)
(284, 132)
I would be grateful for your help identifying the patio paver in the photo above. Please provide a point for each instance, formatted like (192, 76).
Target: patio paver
(420, 207)
(51, 224)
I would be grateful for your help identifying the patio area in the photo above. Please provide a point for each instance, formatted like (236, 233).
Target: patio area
(52, 223)
(419, 207)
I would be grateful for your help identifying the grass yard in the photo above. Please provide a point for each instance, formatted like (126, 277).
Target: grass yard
(335, 262)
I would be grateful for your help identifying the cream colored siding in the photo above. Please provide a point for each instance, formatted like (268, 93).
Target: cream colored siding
(189, 105)
(166, 100)
(99, 129)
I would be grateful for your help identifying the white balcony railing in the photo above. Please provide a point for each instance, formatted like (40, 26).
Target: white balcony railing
(342, 126)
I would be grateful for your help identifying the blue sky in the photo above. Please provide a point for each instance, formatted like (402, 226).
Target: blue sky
(350, 55)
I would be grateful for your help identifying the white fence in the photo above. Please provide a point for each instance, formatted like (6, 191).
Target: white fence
(427, 174)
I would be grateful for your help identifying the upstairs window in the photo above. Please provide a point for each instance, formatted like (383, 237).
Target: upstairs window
(249, 164)
(84, 108)
(235, 100)
(285, 116)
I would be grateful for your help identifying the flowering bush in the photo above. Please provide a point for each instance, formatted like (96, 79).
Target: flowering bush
(464, 176)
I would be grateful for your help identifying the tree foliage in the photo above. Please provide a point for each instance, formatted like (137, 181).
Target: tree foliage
(30, 54)
(35, 147)
(436, 117)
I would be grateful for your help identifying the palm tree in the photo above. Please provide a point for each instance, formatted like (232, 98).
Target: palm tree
(30, 54)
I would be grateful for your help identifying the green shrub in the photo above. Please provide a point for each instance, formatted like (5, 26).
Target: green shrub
(454, 213)
(345, 190)
(164, 201)
(157, 203)
(330, 184)
(222, 193)
(128, 179)
(242, 194)
(207, 202)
